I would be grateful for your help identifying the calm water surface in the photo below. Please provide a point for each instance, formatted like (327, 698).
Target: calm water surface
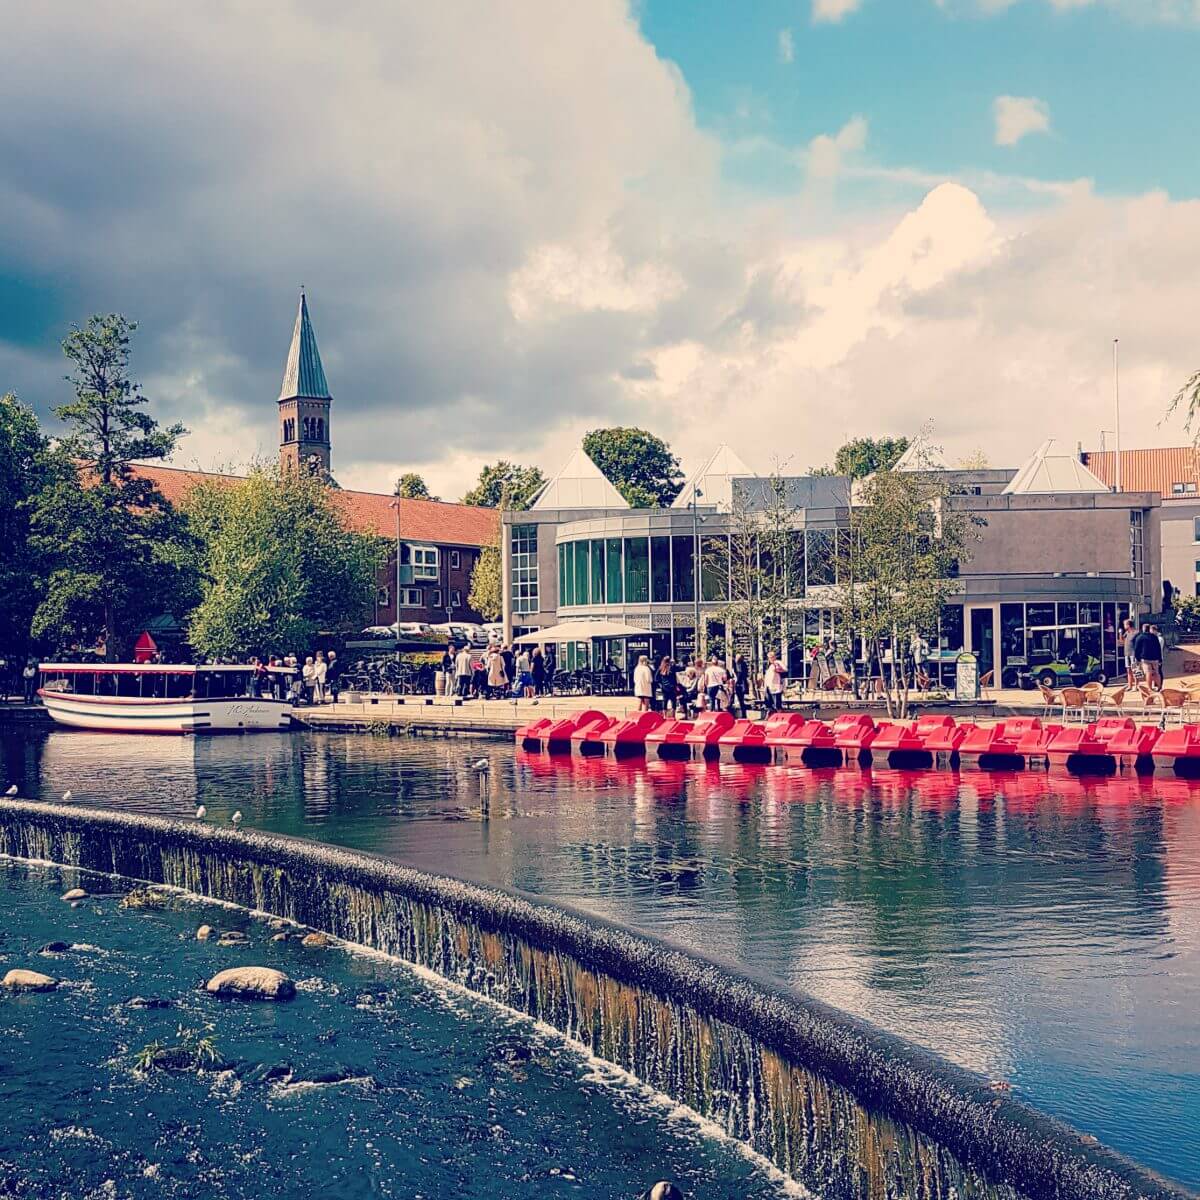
(1043, 930)
(373, 1082)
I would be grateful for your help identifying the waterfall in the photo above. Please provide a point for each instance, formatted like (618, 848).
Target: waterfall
(849, 1111)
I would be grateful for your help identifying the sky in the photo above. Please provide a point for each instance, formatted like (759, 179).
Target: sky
(776, 225)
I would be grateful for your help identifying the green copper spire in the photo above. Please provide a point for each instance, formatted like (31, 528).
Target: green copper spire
(303, 375)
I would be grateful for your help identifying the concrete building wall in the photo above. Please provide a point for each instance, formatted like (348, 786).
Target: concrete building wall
(1180, 548)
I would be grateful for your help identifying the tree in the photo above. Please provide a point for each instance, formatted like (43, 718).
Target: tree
(864, 456)
(895, 568)
(412, 487)
(519, 483)
(278, 564)
(115, 550)
(485, 594)
(639, 465)
(25, 468)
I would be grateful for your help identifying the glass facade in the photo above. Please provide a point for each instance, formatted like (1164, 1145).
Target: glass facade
(637, 570)
(523, 568)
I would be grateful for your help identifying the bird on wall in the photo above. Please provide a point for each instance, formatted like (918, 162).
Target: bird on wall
(201, 812)
(236, 819)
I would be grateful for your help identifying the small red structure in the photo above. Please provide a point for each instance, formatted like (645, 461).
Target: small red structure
(145, 648)
(669, 740)
(705, 734)
(1179, 748)
(628, 737)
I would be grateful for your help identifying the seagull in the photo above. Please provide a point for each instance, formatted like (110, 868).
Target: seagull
(66, 796)
(200, 813)
(236, 819)
(481, 765)
(12, 791)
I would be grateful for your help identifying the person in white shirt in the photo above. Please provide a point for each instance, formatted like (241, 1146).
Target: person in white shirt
(320, 670)
(309, 675)
(715, 679)
(462, 671)
(773, 677)
(643, 683)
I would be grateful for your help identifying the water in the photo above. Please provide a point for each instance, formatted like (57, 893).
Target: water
(373, 1082)
(1042, 931)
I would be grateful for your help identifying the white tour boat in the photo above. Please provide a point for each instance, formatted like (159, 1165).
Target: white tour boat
(159, 698)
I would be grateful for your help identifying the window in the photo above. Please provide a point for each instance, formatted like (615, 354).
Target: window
(1183, 489)
(523, 568)
(599, 580)
(412, 598)
(385, 597)
(1196, 529)
(637, 570)
(566, 574)
(615, 589)
(456, 598)
(455, 559)
(820, 564)
(424, 561)
(683, 569)
(437, 598)
(289, 429)
(581, 572)
(660, 570)
(714, 568)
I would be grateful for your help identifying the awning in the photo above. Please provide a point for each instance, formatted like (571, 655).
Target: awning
(580, 631)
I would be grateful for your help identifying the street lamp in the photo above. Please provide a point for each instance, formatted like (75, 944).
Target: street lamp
(693, 504)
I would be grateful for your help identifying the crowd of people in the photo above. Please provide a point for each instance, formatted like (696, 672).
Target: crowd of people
(315, 680)
(1143, 655)
(498, 672)
(708, 685)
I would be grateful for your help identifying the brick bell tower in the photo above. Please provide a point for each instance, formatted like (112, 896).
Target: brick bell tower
(304, 400)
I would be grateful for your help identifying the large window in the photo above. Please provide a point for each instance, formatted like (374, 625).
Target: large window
(581, 572)
(523, 567)
(599, 581)
(660, 570)
(820, 568)
(411, 598)
(424, 561)
(614, 572)
(683, 569)
(637, 570)
(566, 574)
(714, 568)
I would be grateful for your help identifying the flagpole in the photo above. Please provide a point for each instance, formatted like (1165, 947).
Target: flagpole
(1117, 405)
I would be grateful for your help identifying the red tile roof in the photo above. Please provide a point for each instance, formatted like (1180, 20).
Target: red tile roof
(1147, 470)
(368, 512)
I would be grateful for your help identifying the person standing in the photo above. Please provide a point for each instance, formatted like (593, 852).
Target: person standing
(665, 682)
(448, 668)
(524, 670)
(643, 683)
(1148, 652)
(309, 680)
(773, 680)
(333, 675)
(29, 679)
(1128, 637)
(715, 679)
(741, 682)
(537, 669)
(688, 681)
(497, 677)
(320, 671)
(463, 672)
(510, 664)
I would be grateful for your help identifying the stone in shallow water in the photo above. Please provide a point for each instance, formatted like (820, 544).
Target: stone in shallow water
(75, 894)
(204, 933)
(18, 980)
(149, 1002)
(232, 937)
(55, 948)
(252, 983)
(316, 938)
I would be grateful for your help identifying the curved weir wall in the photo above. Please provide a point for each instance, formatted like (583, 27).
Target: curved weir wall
(845, 1109)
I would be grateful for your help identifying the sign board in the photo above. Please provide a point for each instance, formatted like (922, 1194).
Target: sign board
(966, 677)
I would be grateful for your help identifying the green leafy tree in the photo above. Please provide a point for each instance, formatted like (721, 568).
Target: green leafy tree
(412, 487)
(639, 465)
(864, 456)
(115, 551)
(497, 480)
(25, 468)
(278, 564)
(896, 567)
(485, 594)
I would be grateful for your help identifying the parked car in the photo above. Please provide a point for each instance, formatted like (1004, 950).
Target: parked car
(379, 631)
(494, 631)
(1048, 669)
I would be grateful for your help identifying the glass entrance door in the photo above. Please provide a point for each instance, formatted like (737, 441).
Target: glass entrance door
(983, 638)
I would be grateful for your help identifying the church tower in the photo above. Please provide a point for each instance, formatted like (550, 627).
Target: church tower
(304, 400)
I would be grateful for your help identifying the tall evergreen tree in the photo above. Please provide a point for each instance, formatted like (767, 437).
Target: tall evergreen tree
(114, 548)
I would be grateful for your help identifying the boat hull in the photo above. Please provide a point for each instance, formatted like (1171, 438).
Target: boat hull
(111, 714)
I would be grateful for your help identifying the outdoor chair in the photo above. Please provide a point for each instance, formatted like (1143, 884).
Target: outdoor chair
(1051, 700)
(1173, 701)
(985, 683)
(1110, 700)
(1074, 700)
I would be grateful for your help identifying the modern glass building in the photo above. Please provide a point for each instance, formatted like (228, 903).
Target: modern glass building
(1061, 561)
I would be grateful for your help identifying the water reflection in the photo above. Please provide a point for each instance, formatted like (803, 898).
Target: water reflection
(1042, 929)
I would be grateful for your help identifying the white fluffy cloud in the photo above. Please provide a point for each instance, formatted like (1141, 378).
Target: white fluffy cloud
(787, 46)
(833, 10)
(1017, 117)
(512, 237)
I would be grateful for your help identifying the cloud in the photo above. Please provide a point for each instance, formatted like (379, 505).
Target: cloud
(833, 10)
(827, 154)
(1174, 12)
(1017, 117)
(787, 46)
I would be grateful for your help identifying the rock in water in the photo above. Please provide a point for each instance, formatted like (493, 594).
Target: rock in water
(664, 1190)
(233, 937)
(18, 980)
(55, 948)
(279, 937)
(316, 938)
(252, 983)
(75, 894)
(204, 933)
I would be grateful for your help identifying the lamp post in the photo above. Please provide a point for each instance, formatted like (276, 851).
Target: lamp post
(693, 504)
(396, 506)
